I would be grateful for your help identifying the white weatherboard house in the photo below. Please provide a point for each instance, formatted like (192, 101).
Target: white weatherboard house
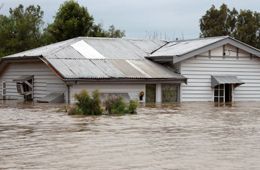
(219, 69)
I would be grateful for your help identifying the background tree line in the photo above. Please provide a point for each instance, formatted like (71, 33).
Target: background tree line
(24, 29)
(243, 25)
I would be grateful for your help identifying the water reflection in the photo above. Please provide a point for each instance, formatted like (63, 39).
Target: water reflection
(181, 136)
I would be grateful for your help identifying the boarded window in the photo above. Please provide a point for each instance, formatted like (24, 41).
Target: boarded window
(170, 93)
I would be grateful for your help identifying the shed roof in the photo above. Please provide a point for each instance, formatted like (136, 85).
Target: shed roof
(225, 79)
(102, 58)
(177, 51)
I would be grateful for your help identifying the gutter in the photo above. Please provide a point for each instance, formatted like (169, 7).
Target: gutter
(130, 80)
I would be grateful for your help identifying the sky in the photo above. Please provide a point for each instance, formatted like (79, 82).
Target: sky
(168, 19)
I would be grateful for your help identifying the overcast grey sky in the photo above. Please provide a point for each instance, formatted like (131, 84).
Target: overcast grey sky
(175, 18)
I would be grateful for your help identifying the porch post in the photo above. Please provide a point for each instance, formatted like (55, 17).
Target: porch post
(158, 93)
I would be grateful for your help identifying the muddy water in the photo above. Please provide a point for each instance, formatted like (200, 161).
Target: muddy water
(190, 136)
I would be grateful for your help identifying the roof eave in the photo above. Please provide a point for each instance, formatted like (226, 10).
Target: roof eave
(21, 58)
(175, 80)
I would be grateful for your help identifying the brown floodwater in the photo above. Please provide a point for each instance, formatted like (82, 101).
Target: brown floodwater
(181, 137)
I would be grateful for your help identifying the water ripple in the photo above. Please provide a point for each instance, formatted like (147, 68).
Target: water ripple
(182, 137)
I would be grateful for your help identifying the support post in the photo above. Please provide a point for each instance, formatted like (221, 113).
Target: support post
(158, 93)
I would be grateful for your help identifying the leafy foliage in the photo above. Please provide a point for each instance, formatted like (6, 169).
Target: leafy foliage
(243, 25)
(87, 105)
(21, 30)
(116, 105)
(73, 20)
(218, 22)
(132, 106)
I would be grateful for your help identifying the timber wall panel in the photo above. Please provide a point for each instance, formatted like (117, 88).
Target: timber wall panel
(199, 69)
(45, 81)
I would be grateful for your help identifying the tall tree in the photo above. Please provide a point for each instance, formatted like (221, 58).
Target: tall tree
(218, 22)
(21, 30)
(248, 27)
(114, 33)
(243, 25)
(73, 20)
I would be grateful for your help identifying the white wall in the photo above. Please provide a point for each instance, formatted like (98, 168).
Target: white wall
(131, 88)
(199, 69)
(45, 81)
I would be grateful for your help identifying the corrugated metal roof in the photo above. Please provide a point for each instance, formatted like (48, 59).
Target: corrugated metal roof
(225, 79)
(178, 48)
(121, 58)
(45, 50)
(86, 50)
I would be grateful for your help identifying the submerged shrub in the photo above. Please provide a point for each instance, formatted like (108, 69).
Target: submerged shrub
(116, 105)
(87, 105)
(91, 105)
(133, 104)
(73, 110)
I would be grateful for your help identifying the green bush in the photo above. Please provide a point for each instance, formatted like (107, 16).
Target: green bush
(116, 105)
(91, 105)
(73, 110)
(87, 105)
(133, 104)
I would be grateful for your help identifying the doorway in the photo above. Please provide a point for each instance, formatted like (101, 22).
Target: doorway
(150, 93)
(223, 93)
(228, 93)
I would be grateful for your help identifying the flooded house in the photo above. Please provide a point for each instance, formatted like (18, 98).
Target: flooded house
(220, 69)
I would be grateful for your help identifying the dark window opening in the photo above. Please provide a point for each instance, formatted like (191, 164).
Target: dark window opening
(228, 93)
(170, 93)
(223, 93)
(150, 94)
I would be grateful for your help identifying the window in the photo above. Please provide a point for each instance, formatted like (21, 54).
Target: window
(170, 93)
(219, 93)
(3, 89)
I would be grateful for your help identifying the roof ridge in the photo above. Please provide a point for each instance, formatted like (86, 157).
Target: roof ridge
(201, 38)
(63, 45)
(166, 43)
